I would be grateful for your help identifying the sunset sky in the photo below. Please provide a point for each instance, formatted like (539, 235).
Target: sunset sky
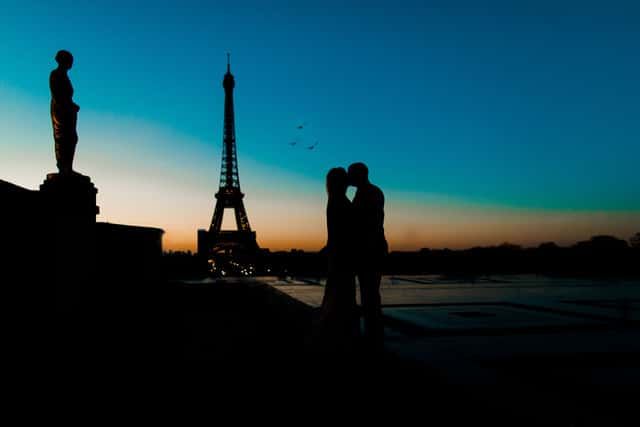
(510, 121)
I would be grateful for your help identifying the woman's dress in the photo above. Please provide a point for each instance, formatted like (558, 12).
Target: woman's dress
(338, 312)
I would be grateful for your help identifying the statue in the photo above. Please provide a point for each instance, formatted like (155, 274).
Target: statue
(64, 113)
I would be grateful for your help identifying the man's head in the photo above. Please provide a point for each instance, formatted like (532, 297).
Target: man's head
(358, 174)
(64, 59)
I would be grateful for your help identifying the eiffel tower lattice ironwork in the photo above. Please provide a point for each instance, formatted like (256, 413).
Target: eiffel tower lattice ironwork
(229, 195)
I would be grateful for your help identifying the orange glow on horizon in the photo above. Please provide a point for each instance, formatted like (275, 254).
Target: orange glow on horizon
(455, 230)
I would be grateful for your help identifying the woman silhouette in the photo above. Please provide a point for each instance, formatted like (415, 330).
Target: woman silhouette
(338, 312)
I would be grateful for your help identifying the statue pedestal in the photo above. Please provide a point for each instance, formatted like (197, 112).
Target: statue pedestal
(69, 204)
(70, 196)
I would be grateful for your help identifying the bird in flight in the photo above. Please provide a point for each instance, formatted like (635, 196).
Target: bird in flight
(292, 143)
(311, 147)
(301, 126)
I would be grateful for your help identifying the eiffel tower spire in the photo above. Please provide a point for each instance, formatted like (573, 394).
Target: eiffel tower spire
(229, 172)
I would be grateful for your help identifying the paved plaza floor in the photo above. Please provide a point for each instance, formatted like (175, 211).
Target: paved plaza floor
(568, 342)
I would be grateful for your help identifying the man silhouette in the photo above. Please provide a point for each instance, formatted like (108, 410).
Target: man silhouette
(371, 248)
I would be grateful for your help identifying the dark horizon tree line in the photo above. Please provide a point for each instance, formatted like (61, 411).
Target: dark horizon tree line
(601, 255)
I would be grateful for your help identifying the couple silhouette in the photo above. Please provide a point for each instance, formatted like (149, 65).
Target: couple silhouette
(356, 247)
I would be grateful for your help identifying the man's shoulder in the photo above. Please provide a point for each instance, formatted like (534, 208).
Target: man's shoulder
(370, 194)
(376, 193)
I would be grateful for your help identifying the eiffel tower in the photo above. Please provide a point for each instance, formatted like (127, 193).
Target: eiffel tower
(216, 240)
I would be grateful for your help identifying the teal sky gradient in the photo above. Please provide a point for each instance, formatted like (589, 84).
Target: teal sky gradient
(477, 114)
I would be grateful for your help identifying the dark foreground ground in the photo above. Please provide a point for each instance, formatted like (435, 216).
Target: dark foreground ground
(234, 346)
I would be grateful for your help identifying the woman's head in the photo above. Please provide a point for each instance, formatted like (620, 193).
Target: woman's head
(64, 59)
(337, 181)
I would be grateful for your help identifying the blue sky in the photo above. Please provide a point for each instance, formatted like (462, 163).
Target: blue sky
(508, 106)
